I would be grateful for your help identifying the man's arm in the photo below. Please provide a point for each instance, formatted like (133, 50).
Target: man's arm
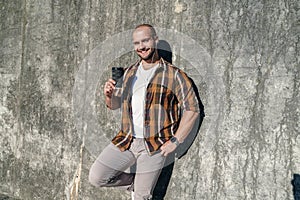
(186, 124)
(184, 91)
(111, 101)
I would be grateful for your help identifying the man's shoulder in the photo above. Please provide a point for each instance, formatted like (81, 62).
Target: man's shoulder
(169, 66)
(174, 69)
(131, 67)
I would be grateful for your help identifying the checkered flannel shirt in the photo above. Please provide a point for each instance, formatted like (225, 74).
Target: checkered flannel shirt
(168, 94)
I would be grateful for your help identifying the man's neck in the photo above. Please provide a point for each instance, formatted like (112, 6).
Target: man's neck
(147, 66)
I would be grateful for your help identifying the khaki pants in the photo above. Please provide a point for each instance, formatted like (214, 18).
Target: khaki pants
(109, 169)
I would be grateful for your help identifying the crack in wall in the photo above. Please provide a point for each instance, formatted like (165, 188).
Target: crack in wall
(72, 191)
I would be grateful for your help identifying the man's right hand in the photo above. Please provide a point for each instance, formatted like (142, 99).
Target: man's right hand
(109, 88)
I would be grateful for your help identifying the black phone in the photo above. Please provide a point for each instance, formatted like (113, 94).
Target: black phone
(117, 75)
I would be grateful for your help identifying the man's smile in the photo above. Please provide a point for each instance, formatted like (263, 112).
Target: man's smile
(143, 51)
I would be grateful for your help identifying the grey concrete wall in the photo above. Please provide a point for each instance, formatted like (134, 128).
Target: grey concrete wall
(248, 78)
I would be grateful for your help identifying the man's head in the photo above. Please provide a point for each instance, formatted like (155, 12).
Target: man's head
(145, 42)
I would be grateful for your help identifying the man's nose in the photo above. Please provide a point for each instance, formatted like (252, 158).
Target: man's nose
(141, 45)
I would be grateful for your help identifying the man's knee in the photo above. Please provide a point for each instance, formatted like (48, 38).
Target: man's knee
(96, 179)
(100, 181)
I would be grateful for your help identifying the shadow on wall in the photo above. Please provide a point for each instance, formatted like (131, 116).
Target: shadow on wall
(160, 190)
(296, 186)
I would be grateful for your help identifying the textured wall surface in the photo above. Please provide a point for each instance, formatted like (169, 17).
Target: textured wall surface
(248, 146)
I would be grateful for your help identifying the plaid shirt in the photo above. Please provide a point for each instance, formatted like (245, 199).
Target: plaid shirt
(168, 92)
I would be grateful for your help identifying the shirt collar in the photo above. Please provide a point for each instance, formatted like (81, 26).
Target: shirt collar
(162, 64)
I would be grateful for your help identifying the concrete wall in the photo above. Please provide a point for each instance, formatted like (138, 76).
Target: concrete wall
(247, 72)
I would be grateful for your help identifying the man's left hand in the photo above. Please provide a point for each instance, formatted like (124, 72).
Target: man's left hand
(167, 148)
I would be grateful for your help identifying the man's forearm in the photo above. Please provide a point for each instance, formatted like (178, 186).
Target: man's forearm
(186, 124)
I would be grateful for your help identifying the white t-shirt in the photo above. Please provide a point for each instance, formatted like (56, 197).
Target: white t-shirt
(138, 98)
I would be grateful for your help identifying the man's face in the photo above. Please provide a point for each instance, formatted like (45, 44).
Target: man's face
(144, 44)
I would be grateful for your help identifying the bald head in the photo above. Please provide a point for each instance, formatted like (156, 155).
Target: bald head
(147, 26)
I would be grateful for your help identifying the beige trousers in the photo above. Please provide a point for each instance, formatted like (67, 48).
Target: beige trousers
(111, 169)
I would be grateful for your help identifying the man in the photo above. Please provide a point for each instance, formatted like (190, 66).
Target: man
(159, 108)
